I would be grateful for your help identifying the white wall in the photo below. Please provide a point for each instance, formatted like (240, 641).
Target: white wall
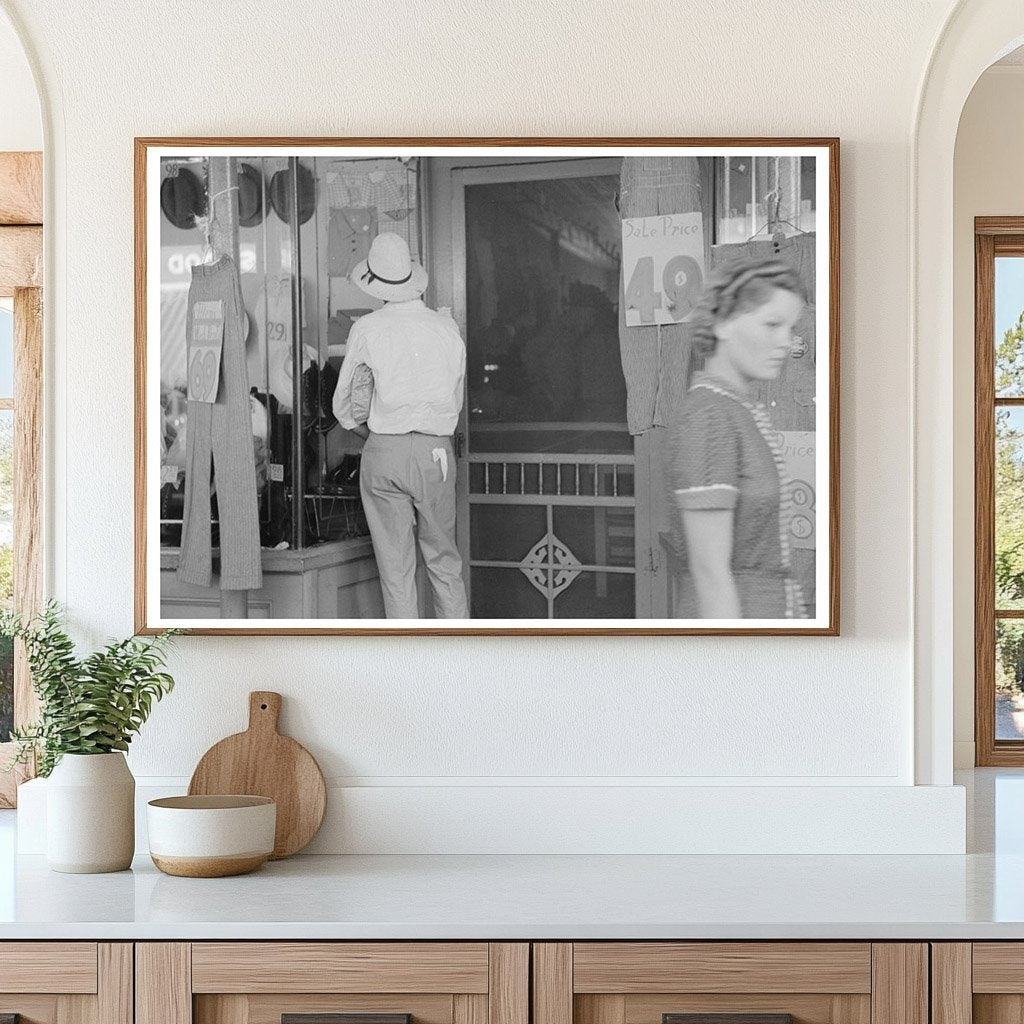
(21, 126)
(988, 182)
(463, 712)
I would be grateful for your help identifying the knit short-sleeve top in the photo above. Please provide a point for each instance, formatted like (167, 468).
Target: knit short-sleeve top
(725, 455)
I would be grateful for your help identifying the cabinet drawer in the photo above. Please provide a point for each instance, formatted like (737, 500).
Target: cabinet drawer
(980, 982)
(340, 967)
(66, 982)
(57, 967)
(998, 967)
(730, 983)
(749, 967)
(339, 1008)
(644, 982)
(332, 983)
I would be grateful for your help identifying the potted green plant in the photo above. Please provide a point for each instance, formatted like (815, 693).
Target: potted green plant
(90, 708)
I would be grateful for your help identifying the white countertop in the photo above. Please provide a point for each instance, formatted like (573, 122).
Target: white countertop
(517, 897)
(977, 896)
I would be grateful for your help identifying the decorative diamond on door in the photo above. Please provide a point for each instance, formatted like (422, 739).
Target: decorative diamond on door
(564, 563)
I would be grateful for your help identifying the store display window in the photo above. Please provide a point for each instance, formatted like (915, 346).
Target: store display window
(297, 242)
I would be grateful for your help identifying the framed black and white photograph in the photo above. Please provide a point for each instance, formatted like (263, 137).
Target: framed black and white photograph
(452, 386)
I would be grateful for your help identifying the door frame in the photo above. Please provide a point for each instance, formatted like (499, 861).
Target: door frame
(495, 170)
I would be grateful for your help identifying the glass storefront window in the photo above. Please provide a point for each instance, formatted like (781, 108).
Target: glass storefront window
(758, 196)
(342, 205)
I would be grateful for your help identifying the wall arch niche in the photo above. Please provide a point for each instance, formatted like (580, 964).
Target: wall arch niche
(987, 183)
(976, 35)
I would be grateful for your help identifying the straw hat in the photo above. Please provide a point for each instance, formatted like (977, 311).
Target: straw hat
(389, 272)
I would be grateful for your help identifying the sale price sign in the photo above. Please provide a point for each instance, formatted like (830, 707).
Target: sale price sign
(205, 350)
(663, 264)
(798, 451)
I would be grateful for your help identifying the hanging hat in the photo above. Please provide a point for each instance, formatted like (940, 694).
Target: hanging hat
(183, 198)
(281, 194)
(250, 196)
(389, 272)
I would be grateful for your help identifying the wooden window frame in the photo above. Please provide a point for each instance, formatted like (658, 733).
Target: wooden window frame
(993, 237)
(21, 278)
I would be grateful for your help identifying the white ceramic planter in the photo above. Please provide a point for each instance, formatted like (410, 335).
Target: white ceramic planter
(90, 814)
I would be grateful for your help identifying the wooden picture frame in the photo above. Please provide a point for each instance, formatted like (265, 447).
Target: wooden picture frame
(593, 465)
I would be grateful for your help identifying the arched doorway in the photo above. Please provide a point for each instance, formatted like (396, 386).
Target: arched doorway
(976, 34)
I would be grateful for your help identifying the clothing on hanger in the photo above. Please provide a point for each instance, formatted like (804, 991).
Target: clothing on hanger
(219, 436)
(381, 191)
(349, 234)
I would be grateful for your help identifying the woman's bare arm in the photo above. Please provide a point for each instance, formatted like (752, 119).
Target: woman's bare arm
(709, 546)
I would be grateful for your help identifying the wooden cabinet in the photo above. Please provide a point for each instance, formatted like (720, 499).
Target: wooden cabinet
(814, 982)
(512, 983)
(66, 982)
(260, 982)
(978, 983)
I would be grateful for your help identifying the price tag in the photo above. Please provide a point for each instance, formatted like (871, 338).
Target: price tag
(798, 451)
(206, 344)
(663, 264)
(276, 470)
(169, 475)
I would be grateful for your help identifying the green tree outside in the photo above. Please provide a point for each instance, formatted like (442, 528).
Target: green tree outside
(1009, 510)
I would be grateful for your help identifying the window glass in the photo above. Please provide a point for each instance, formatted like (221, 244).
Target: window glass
(761, 196)
(6, 353)
(6, 563)
(342, 205)
(1009, 515)
(1009, 679)
(542, 269)
(1009, 327)
(1009, 496)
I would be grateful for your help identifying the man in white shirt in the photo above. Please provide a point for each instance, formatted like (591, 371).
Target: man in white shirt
(407, 479)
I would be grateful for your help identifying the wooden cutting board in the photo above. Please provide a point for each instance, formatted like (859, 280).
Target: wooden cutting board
(262, 762)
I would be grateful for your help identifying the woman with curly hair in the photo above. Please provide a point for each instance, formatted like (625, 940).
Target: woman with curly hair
(727, 470)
